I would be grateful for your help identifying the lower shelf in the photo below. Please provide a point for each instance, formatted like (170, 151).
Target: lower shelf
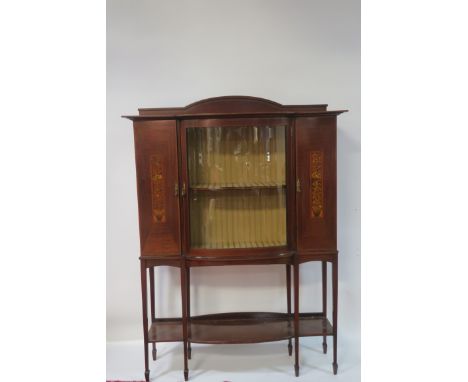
(239, 328)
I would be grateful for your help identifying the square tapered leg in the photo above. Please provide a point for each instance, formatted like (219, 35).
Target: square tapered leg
(335, 313)
(144, 297)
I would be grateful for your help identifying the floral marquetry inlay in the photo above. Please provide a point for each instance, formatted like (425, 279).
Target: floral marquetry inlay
(316, 184)
(157, 189)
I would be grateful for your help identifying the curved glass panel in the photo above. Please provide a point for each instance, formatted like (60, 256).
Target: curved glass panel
(237, 185)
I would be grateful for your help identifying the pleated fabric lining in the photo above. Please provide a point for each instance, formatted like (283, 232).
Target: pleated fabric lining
(237, 187)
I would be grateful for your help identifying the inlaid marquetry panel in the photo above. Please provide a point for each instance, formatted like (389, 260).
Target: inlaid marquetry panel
(157, 189)
(316, 184)
(316, 171)
(157, 176)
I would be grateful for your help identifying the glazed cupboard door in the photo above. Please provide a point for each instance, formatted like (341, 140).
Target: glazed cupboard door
(316, 183)
(236, 177)
(158, 188)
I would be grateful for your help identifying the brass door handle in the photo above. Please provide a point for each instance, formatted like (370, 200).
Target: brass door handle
(298, 185)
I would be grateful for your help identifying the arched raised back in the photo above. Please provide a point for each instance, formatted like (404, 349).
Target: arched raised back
(231, 104)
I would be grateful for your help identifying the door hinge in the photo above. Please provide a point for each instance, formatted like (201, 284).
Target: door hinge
(176, 189)
(298, 185)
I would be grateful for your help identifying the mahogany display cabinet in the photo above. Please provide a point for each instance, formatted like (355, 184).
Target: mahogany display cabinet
(229, 181)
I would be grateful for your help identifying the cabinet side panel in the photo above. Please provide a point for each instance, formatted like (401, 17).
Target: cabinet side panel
(157, 181)
(316, 173)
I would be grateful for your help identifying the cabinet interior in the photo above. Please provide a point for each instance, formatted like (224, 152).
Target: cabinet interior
(237, 185)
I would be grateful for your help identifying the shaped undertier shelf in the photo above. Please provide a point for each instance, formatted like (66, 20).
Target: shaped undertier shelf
(237, 328)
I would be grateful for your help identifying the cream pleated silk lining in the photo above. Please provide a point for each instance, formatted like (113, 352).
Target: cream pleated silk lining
(237, 179)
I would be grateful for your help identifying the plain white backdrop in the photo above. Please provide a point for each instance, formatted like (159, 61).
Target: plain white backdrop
(52, 278)
(163, 54)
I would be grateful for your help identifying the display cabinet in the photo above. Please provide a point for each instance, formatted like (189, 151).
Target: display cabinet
(237, 181)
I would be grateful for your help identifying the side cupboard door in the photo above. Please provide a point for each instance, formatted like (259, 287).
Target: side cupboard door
(158, 187)
(316, 183)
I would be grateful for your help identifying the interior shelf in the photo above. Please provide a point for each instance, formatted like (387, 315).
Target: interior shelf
(241, 244)
(236, 186)
(239, 328)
